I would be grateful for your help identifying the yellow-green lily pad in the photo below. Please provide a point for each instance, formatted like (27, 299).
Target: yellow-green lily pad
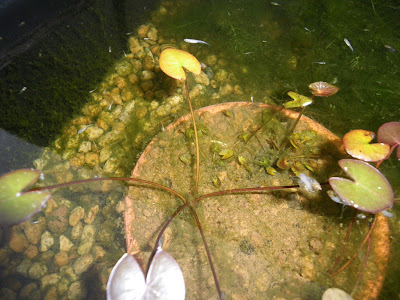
(357, 144)
(369, 190)
(298, 100)
(172, 61)
(16, 205)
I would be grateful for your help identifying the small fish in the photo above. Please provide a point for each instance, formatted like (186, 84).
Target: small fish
(109, 49)
(162, 127)
(307, 29)
(248, 53)
(275, 4)
(22, 90)
(348, 44)
(251, 99)
(92, 91)
(124, 53)
(319, 62)
(387, 214)
(84, 128)
(128, 33)
(390, 48)
(192, 41)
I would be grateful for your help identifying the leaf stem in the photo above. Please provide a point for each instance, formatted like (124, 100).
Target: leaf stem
(196, 186)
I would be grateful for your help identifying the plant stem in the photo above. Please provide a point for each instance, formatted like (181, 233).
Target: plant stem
(196, 186)
(291, 130)
(245, 190)
(65, 184)
(362, 245)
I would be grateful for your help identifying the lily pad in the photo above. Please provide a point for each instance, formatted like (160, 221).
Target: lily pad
(323, 89)
(16, 205)
(164, 279)
(369, 190)
(172, 61)
(389, 133)
(298, 100)
(357, 144)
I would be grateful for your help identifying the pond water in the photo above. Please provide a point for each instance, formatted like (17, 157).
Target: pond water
(87, 97)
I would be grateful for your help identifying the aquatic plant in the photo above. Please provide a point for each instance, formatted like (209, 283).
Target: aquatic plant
(127, 272)
(369, 191)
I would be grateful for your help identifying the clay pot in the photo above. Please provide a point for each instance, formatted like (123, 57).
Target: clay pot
(264, 245)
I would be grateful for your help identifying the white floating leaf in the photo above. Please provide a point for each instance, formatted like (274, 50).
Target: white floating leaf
(164, 279)
(126, 280)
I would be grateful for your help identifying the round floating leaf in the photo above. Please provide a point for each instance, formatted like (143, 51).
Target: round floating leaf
(370, 191)
(323, 89)
(298, 100)
(164, 279)
(389, 133)
(356, 143)
(172, 61)
(15, 205)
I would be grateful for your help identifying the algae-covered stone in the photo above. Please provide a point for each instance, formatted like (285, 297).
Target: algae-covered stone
(37, 270)
(110, 138)
(163, 110)
(142, 31)
(105, 154)
(83, 263)
(85, 147)
(123, 68)
(93, 132)
(111, 165)
(221, 75)
(76, 291)
(76, 215)
(46, 241)
(92, 159)
(152, 34)
(65, 243)
(226, 90)
(202, 79)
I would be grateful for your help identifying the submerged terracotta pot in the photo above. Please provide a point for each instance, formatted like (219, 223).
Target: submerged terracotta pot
(261, 242)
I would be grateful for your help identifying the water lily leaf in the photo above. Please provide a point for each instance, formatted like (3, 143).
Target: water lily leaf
(356, 143)
(172, 61)
(369, 190)
(298, 100)
(323, 89)
(164, 279)
(16, 205)
(389, 133)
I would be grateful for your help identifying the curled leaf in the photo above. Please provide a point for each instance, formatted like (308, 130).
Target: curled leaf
(16, 205)
(225, 154)
(356, 143)
(389, 133)
(298, 100)
(369, 190)
(323, 89)
(172, 61)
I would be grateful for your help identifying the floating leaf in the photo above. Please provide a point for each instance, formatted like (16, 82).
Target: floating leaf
(225, 154)
(389, 133)
(164, 279)
(172, 61)
(323, 89)
(370, 191)
(336, 294)
(298, 100)
(16, 205)
(356, 143)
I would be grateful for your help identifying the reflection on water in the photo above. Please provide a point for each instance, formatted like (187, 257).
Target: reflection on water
(257, 52)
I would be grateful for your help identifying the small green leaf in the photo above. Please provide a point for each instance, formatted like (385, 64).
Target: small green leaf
(271, 171)
(298, 100)
(241, 160)
(16, 205)
(217, 182)
(225, 154)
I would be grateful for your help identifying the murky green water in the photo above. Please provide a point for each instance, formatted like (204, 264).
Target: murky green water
(262, 50)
